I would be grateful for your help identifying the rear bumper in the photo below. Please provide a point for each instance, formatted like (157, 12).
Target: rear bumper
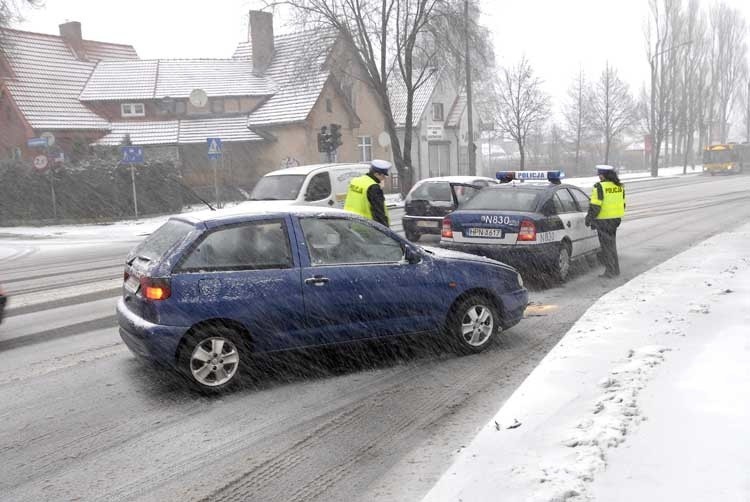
(147, 340)
(423, 224)
(517, 256)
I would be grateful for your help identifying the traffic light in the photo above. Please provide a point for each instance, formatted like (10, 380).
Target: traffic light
(324, 140)
(335, 136)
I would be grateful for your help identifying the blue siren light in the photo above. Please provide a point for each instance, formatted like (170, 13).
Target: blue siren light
(551, 176)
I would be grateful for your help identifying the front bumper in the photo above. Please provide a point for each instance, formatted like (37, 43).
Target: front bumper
(514, 305)
(147, 340)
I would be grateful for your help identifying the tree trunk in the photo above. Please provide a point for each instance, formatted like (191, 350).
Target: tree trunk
(523, 156)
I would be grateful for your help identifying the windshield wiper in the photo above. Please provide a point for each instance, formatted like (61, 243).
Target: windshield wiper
(264, 198)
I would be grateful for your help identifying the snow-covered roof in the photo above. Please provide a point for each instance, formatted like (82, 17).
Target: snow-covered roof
(397, 97)
(298, 70)
(455, 179)
(457, 110)
(48, 78)
(176, 78)
(183, 131)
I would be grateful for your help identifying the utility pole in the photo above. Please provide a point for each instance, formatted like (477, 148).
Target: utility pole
(469, 115)
(747, 117)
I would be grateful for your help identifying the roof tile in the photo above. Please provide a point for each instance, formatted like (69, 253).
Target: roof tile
(49, 78)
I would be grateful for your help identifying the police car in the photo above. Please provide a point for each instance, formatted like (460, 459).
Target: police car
(432, 198)
(531, 220)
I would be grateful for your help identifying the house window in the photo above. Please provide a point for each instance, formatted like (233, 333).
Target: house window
(133, 110)
(437, 112)
(329, 105)
(217, 105)
(364, 145)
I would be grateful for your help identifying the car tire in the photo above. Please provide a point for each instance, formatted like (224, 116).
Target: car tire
(474, 324)
(560, 267)
(411, 235)
(211, 359)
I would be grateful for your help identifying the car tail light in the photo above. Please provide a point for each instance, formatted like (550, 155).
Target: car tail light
(447, 231)
(527, 231)
(155, 289)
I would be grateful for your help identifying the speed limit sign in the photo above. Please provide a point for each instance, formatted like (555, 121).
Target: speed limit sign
(40, 162)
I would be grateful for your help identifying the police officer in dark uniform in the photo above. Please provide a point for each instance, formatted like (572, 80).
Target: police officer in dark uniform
(606, 209)
(365, 195)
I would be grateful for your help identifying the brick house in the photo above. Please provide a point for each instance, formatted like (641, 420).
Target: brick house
(267, 103)
(41, 77)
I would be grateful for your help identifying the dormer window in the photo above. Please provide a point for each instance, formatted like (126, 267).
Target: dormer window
(133, 110)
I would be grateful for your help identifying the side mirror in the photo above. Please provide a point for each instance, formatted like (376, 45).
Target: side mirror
(412, 256)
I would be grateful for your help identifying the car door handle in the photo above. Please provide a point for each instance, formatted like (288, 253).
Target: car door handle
(568, 224)
(317, 280)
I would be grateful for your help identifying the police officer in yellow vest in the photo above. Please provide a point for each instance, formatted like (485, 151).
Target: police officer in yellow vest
(606, 209)
(365, 196)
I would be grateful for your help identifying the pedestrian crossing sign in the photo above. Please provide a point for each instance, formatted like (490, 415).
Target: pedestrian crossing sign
(214, 148)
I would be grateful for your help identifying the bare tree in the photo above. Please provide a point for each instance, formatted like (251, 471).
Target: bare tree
(728, 60)
(10, 12)
(522, 104)
(577, 114)
(694, 77)
(613, 109)
(746, 109)
(389, 39)
(659, 34)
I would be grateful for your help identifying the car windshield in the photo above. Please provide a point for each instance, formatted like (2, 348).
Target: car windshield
(162, 239)
(280, 187)
(504, 199)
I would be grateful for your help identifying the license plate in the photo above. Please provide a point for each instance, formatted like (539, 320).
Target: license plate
(132, 284)
(429, 224)
(484, 232)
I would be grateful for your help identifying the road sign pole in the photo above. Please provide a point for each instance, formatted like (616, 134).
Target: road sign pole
(135, 195)
(54, 198)
(216, 183)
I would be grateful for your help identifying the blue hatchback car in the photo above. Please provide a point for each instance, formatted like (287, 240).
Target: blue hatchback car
(202, 293)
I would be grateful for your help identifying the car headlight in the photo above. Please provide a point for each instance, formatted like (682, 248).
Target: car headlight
(520, 280)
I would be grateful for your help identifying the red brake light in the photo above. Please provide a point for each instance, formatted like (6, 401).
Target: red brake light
(447, 231)
(527, 231)
(155, 289)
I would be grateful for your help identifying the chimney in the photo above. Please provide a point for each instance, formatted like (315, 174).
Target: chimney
(260, 36)
(71, 33)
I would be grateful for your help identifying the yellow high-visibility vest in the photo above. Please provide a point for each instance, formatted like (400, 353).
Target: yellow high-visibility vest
(611, 198)
(356, 197)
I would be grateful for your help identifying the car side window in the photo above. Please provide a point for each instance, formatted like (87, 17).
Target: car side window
(581, 198)
(566, 200)
(319, 187)
(336, 241)
(249, 246)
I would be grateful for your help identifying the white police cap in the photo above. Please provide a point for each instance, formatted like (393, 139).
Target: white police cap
(380, 166)
(604, 167)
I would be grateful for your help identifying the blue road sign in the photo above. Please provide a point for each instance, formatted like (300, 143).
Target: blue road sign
(37, 143)
(214, 147)
(131, 154)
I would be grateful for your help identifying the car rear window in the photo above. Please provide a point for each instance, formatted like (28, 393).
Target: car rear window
(504, 200)
(162, 239)
(432, 191)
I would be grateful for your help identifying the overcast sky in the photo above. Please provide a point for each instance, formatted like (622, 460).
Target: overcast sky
(556, 36)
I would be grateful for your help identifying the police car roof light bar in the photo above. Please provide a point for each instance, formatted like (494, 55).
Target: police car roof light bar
(551, 176)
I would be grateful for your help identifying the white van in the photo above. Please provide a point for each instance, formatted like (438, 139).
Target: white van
(312, 185)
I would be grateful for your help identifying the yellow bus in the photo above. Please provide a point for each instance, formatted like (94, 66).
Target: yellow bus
(729, 158)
